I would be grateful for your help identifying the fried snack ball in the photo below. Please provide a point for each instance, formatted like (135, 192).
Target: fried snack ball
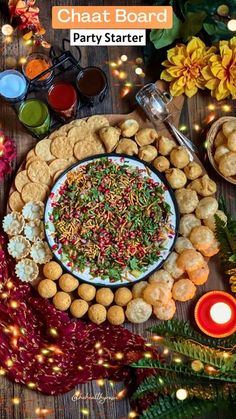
(189, 260)
(179, 157)
(97, 313)
(127, 146)
(104, 296)
(227, 164)
(68, 283)
(79, 308)
(229, 127)
(110, 137)
(176, 178)
(52, 270)
(161, 163)
(129, 127)
(161, 277)
(123, 296)
(220, 139)
(171, 266)
(146, 136)
(212, 250)
(116, 315)
(193, 170)
(165, 311)
(62, 300)
(187, 222)
(183, 290)
(47, 288)
(165, 145)
(201, 237)
(231, 143)
(220, 152)
(210, 221)
(206, 207)
(137, 289)
(87, 292)
(182, 243)
(147, 153)
(156, 292)
(199, 276)
(138, 311)
(204, 186)
(187, 200)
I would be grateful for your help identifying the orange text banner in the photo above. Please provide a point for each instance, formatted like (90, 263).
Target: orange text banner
(112, 17)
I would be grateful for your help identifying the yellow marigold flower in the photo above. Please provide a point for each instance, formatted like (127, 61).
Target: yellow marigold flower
(220, 73)
(183, 67)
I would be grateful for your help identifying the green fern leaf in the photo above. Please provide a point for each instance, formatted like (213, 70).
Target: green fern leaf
(179, 328)
(183, 369)
(204, 353)
(172, 408)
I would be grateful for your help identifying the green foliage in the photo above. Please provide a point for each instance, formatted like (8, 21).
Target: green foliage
(212, 387)
(171, 408)
(179, 328)
(226, 236)
(195, 18)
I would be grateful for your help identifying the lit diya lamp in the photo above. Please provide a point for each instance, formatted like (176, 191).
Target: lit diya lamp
(215, 314)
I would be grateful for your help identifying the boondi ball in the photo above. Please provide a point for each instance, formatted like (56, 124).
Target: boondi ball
(62, 300)
(116, 315)
(86, 292)
(97, 313)
(104, 296)
(68, 283)
(123, 296)
(52, 270)
(78, 308)
(47, 288)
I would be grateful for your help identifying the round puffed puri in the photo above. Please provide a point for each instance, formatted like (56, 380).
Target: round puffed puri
(79, 308)
(116, 315)
(52, 270)
(47, 288)
(156, 292)
(97, 313)
(165, 311)
(104, 296)
(138, 311)
(87, 292)
(68, 283)
(123, 296)
(62, 300)
(183, 290)
(189, 260)
(138, 288)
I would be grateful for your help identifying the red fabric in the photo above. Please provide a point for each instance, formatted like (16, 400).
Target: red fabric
(73, 350)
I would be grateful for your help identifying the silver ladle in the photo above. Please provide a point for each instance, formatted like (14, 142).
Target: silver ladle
(154, 103)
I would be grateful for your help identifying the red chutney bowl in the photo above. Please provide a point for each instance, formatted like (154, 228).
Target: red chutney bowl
(204, 320)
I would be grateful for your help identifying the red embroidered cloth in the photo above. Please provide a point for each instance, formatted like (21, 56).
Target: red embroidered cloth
(55, 364)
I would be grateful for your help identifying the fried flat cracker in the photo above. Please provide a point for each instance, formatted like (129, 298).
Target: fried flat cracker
(34, 192)
(38, 171)
(21, 179)
(15, 201)
(96, 122)
(58, 164)
(31, 154)
(42, 150)
(78, 133)
(88, 148)
(57, 174)
(61, 148)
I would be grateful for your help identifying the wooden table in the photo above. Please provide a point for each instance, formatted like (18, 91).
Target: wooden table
(195, 116)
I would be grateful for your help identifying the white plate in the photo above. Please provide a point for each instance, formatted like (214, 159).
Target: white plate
(121, 160)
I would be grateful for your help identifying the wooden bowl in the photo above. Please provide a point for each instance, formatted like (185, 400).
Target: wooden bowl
(211, 135)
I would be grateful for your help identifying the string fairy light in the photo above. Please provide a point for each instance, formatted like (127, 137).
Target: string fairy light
(7, 30)
(84, 411)
(132, 414)
(226, 108)
(181, 394)
(232, 25)
(15, 400)
(100, 382)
